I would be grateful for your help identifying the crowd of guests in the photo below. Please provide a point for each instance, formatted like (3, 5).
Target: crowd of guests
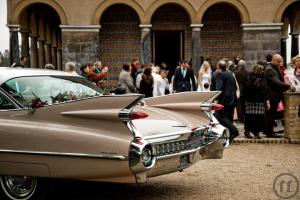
(260, 97)
(256, 95)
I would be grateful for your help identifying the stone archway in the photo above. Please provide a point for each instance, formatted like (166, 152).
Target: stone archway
(106, 4)
(171, 35)
(281, 8)
(221, 35)
(185, 5)
(120, 38)
(238, 5)
(290, 18)
(22, 5)
(41, 38)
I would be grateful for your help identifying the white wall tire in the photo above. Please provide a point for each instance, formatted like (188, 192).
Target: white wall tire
(19, 188)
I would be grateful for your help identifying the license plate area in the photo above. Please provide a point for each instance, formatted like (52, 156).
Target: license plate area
(184, 160)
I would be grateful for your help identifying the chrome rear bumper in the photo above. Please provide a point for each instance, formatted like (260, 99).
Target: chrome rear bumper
(174, 155)
(172, 164)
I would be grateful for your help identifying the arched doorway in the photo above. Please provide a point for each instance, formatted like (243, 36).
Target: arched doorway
(171, 35)
(120, 38)
(41, 37)
(290, 31)
(221, 35)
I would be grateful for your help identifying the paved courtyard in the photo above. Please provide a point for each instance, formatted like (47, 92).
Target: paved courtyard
(247, 171)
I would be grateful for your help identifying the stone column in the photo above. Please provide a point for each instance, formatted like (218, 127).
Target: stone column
(34, 52)
(59, 52)
(47, 52)
(196, 46)
(14, 44)
(283, 49)
(54, 48)
(295, 44)
(41, 50)
(260, 40)
(54, 56)
(25, 44)
(59, 59)
(85, 51)
(146, 51)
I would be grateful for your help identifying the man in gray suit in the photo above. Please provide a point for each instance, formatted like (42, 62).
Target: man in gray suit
(126, 80)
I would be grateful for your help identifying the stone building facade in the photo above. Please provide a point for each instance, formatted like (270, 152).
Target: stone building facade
(116, 31)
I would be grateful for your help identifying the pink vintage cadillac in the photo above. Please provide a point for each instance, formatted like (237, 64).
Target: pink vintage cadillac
(55, 124)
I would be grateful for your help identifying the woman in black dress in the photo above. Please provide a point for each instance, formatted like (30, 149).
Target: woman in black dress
(146, 84)
(255, 102)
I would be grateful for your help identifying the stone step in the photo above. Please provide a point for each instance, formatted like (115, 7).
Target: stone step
(241, 138)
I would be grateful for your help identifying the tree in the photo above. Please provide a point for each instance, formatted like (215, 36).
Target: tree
(4, 59)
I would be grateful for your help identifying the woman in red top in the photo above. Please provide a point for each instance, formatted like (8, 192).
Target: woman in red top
(92, 76)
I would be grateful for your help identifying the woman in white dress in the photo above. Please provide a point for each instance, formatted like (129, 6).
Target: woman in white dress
(204, 77)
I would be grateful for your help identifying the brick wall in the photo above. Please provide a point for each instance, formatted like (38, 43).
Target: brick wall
(120, 39)
(221, 35)
(292, 115)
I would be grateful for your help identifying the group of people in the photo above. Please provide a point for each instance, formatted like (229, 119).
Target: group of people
(153, 80)
(260, 103)
(257, 95)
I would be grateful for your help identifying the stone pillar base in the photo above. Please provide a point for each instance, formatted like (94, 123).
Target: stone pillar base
(260, 40)
(80, 44)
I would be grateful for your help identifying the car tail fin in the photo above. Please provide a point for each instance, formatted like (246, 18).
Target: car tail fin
(183, 100)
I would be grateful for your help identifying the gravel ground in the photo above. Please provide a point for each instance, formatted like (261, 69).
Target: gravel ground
(247, 171)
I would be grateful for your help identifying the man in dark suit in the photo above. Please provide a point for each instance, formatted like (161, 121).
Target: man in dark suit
(275, 87)
(183, 77)
(224, 81)
(241, 75)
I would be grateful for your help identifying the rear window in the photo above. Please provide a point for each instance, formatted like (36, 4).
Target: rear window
(50, 89)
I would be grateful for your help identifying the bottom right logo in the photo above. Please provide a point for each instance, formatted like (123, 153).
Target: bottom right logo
(286, 186)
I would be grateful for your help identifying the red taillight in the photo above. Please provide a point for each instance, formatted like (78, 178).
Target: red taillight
(139, 140)
(193, 129)
(138, 115)
(217, 106)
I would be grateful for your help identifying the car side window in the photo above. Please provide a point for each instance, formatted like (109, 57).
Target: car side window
(5, 103)
(50, 90)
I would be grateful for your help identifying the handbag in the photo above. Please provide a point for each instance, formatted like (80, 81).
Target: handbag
(206, 85)
(280, 106)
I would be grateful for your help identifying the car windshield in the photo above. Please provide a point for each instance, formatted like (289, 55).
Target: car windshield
(49, 89)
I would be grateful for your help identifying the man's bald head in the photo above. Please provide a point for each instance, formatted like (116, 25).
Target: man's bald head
(222, 65)
(276, 59)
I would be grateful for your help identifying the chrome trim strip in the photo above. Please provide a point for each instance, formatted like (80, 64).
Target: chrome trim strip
(180, 153)
(80, 155)
(168, 134)
(163, 139)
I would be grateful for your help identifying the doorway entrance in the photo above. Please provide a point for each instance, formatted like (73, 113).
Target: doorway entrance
(168, 48)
